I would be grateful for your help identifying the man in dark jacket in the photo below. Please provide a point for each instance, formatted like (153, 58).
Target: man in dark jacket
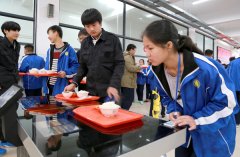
(101, 59)
(9, 54)
(83, 34)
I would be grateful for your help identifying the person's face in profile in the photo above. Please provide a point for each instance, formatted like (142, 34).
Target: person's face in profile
(133, 52)
(141, 62)
(81, 38)
(52, 36)
(12, 34)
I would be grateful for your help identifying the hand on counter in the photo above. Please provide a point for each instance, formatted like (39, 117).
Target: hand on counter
(113, 92)
(186, 120)
(62, 74)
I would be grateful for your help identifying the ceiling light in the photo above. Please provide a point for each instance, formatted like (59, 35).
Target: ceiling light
(199, 2)
(149, 15)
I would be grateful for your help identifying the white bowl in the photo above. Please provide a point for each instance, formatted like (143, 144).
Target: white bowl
(109, 109)
(33, 71)
(42, 71)
(82, 94)
(50, 71)
(67, 94)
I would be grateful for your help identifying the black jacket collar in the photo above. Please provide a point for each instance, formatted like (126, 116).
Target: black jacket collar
(189, 66)
(52, 46)
(8, 43)
(102, 37)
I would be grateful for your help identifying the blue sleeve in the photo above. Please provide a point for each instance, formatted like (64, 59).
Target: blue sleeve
(73, 62)
(218, 110)
(24, 67)
(47, 63)
(171, 105)
(42, 63)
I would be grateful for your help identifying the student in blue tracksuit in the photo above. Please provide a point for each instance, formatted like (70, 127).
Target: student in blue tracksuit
(196, 90)
(233, 71)
(31, 84)
(61, 58)
(141, 81)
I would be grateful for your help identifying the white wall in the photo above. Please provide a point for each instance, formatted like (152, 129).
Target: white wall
(43, 23)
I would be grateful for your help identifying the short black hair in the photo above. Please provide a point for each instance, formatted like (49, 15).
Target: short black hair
(10, 25)
(232, 58)
(208, 52)
(56, 28)
(91, 16)
(29, 46)
(83, 32)
(162, 31)
(130, 47)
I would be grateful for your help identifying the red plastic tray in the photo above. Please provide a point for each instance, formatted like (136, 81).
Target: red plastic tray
(82, 82)
(74, 98)
(46, 109)
(22, 74)
(38, 75)
(116, 130)
(93, 114)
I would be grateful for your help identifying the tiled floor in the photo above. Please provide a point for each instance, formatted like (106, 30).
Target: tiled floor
(144, 109)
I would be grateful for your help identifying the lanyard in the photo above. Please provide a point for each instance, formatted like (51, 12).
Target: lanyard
(178, 76)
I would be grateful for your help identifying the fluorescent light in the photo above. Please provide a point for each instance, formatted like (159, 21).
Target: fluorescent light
(112, 5)
(149, 15)
(199, 2)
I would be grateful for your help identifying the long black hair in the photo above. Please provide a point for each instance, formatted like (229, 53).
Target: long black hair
(162, 31)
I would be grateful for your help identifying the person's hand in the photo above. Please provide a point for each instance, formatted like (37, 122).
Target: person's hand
(174, 115)
(61, 74)
(70, 87)
(186, 120)
(113, 92)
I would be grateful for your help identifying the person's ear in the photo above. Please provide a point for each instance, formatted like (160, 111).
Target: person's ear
(5, 31)
(169, 45)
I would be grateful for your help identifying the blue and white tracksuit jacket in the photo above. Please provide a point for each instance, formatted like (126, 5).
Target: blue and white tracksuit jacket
(208, 95)
(233, 70)
(28, 62)
(67, 62)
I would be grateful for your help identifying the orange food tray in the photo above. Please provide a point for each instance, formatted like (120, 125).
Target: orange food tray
(93, 114)
(48, 75)
(22, 74)
(45, 109)
(82, 82)
(115, 130)
(38, 75)
(74, 98)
